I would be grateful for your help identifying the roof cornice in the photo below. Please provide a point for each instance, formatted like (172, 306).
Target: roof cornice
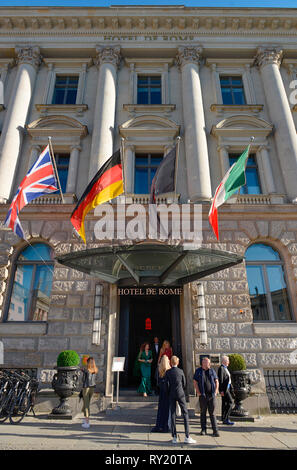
(147, 21)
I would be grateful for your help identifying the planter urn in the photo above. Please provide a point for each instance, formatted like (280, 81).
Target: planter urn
(242, 387)
(64, 383)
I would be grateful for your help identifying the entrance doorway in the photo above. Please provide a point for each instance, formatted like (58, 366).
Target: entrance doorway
(141, 319)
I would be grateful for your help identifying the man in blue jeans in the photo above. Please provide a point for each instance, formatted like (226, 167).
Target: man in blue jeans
(206, 384)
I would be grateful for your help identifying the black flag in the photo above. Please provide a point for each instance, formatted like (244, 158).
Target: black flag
(164, 179)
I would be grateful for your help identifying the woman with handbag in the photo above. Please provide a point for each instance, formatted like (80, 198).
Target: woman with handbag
(88, 388)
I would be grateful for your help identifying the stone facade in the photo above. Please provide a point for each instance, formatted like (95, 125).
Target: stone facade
(189, 48)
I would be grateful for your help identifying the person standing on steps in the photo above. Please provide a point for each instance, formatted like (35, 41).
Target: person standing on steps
(163, 404)
(206, 384)
(225, 388)
(155, 353)
(145, 359)
(176, 383)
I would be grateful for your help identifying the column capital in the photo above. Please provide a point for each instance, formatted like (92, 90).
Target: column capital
(108, 55)
(225, 147)
(268, 55)
(188, 55)
(28, 55)
(75, 147)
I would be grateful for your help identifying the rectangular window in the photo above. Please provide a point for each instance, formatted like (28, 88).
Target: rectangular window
(62, 162)
(232, 90)
(65, 89)
(252, 185)
(96, 334)
(145, 168)
(149, 89)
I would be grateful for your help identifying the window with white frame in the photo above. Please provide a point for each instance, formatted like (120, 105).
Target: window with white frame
(66, 81)
(96, 333)
(267, 284)
(31, 286)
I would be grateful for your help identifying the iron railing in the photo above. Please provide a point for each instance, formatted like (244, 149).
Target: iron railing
(281, 389)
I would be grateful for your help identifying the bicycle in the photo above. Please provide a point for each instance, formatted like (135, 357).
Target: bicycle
(23, 401)
(10, 384)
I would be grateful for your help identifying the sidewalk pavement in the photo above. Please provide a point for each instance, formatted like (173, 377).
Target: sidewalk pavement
(130, 430)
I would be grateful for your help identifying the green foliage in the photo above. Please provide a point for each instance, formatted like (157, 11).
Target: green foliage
(237, 362)
(68, 358)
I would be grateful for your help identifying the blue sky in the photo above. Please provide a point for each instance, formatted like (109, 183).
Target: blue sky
(188, 3)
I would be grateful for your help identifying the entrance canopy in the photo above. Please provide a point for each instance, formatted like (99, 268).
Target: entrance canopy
(149, 264)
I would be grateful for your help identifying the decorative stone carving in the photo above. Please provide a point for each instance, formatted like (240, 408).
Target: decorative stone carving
(28, 55)
(188, 55)
(270, 55)
(108, 55)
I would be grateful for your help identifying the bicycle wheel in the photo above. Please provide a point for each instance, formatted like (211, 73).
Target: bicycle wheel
(19, 408)
(4, 407)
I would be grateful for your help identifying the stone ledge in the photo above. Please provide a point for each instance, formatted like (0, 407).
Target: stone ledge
(267, 329)
(23, 329)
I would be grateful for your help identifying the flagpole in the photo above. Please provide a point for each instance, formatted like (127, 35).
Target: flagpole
(55, 166)
(176, 164)
(122, 160)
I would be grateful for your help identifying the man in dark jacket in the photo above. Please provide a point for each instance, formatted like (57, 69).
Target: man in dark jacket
(155, 348)
(225, 388)
(176, 383)
(206, 385)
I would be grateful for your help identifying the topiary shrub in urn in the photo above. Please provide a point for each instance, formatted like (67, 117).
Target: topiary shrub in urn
(65, 381)
(241, 383)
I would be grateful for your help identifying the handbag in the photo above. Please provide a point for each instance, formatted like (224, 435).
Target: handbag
(178, 410)
(80, 396)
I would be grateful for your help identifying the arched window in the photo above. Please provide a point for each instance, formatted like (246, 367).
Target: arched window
(32, 284)
(267, 285)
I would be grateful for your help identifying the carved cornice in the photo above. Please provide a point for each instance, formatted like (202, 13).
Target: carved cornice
(188, 55)
(108, 55)
(269, 55)
(28, 55)
(151, 21)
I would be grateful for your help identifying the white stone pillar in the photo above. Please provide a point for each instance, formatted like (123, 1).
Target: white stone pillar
(268, 175)
(35, 152)
(72, 169)
(224, 159)
(269, 61)
(129, 168)
(107, 60)
(28, 60)
(199, 185)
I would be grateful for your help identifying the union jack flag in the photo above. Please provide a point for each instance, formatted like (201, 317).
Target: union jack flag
(39, 180)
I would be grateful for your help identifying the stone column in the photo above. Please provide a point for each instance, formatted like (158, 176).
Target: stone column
(268, 175)
(72, 169)
(224, 159)
(107, 60)
(129, 168)
(35, 152)
(28, 60)
(199, 185)
(269, 60)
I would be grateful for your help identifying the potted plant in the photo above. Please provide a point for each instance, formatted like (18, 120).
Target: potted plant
(241, 383)
(65, 381)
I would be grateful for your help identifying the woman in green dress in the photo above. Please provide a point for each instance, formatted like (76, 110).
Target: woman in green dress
(145, 358)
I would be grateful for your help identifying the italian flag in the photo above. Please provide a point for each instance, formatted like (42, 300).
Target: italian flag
(232, 181)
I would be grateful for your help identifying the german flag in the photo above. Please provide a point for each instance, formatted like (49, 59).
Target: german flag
(106, 184)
